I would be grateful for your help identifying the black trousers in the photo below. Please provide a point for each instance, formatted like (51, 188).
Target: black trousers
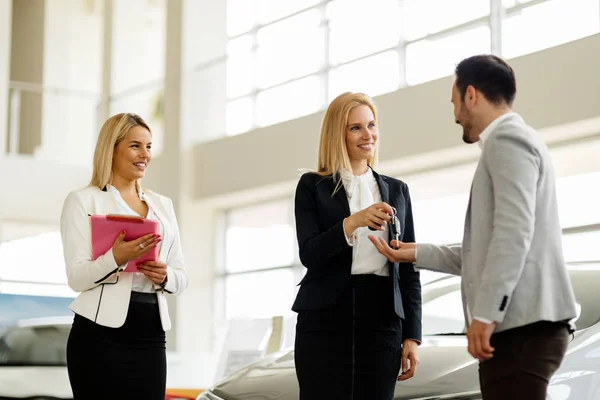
(525, 359)
(119, 363)
(353, 350)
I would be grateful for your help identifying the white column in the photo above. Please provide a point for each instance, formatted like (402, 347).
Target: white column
(496, 17)
(170, 159)
(203, 117)
(107, 50)
(5, 37)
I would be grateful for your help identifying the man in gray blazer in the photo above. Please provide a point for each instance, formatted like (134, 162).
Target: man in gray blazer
(517, 295)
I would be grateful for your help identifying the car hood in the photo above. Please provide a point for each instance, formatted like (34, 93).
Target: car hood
(450, 369)
(28, 382)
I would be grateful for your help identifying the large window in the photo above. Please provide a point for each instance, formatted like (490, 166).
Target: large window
(287, 59)
(260, 261)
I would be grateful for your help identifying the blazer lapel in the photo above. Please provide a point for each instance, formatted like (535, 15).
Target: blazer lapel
(384, 190)
(163, 216)
(341, 196)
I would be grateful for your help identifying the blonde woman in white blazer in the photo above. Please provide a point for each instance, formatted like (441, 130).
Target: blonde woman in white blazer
(117, 345)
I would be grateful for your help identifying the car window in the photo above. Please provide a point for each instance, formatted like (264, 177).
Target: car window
(443, 312)
(34, 345)
(585, 283)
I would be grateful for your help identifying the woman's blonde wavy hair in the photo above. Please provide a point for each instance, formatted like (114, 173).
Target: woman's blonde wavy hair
(114, 130)
(333, 154)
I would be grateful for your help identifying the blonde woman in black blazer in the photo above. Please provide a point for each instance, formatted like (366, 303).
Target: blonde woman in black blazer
(359, 315)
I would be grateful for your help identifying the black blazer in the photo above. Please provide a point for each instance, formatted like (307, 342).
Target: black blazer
(327, 256)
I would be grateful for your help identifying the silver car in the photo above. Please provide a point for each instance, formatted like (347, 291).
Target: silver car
(33, 362)
(447, 371)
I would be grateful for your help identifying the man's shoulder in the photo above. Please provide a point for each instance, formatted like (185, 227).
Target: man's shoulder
(514, 127)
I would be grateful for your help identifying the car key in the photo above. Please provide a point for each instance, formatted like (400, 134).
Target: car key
(393, 216)
(396, 229)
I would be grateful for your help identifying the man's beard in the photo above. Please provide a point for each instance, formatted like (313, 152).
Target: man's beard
(467, 126)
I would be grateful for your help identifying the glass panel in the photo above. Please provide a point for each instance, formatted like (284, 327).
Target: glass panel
(582, 246)
(292, 100)
(270, 10)
(585, 285)
(259, 236)
(424, 17)
(578, 200)
(204, 115)
(240, 62)
(440, 220)
(549, 24)
(431, 59)
(374, 75)
(289, 49)
(277, 290)
(239, 116)
(240, 16)
(357, 30)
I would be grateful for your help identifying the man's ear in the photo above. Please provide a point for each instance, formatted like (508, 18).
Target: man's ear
(471, 96)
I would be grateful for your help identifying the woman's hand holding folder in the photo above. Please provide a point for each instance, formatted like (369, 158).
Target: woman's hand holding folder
(156, 271)
(128, 251)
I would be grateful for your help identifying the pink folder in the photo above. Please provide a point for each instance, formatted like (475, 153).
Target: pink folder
(106, 229)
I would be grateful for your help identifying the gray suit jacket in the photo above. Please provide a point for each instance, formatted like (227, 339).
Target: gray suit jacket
(511, 260)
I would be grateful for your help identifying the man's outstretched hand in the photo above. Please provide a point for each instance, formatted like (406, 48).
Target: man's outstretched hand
(401, 252)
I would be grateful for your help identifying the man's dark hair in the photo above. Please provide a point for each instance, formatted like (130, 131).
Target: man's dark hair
(489, 74)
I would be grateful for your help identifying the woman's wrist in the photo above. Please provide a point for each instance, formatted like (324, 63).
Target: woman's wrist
(349, 226)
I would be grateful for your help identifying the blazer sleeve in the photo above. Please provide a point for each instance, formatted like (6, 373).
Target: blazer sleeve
(177, 280)
(410, 281)
(316, 247)
(514, 166)
(446, 259)
(82, 272)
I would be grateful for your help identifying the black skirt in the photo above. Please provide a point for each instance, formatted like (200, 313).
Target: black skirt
(119, 363)
(353, 350)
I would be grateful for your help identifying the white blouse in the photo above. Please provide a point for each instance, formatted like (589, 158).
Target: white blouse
(362, 192)
(140, 282)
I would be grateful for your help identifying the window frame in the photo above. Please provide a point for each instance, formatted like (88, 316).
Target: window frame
(498, 13)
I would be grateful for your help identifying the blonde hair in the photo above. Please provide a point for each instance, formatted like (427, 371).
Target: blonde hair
(114, 130)
(333, 154)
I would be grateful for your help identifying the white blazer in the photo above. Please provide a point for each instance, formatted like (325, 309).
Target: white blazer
(104, 290)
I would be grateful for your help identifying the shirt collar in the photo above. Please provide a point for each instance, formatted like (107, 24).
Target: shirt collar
(349, 180)
(114, 190)
(490, 128)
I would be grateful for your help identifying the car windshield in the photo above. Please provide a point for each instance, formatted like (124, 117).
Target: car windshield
(443, 312)
(43, 345)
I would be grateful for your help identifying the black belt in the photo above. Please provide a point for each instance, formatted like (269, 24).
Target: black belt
(141, 297)
(370, 280)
